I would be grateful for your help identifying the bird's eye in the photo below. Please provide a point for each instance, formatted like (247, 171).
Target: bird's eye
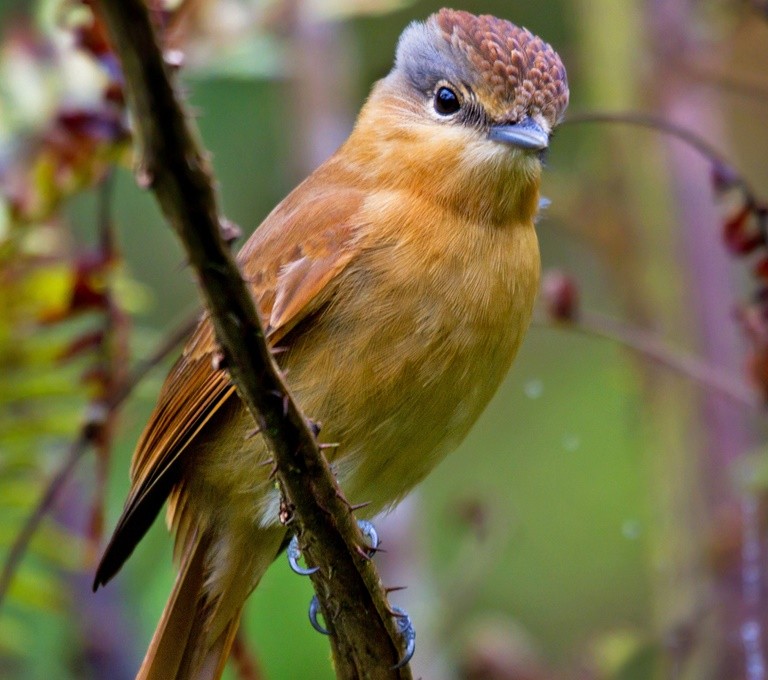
(446, 101)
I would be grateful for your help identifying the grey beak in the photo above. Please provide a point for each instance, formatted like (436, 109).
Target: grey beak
(525, 134)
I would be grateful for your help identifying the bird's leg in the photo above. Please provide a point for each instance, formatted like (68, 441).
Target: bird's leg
(404, 623)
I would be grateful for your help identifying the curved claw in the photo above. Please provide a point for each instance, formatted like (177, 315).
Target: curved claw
(314, 610)
(369, 531)
(406, 629)
(294, 552)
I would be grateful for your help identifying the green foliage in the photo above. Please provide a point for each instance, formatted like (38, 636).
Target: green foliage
(61, 335)
(40, 408)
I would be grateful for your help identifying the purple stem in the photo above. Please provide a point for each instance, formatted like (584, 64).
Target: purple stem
(740, 590)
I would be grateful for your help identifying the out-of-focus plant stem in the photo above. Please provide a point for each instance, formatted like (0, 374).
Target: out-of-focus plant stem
(648, 345)
(320, 73)
(645, 274)
(739, 605)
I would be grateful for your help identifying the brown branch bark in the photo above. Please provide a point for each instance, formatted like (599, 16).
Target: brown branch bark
(172, 163)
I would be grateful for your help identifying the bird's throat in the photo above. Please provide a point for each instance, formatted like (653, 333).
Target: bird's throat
(460, 170)
(495, 196)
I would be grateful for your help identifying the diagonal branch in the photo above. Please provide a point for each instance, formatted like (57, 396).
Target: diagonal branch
(77, 450)
(660, 124)
(172, 163)
(649, 345)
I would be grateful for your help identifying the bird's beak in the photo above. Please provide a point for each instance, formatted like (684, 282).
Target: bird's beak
(525, 134)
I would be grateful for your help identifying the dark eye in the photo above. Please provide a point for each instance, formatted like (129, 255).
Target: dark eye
(446, 101)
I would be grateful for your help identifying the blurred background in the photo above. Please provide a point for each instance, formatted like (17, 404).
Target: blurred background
(606, 518)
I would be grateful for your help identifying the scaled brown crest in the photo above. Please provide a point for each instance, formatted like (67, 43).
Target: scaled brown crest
(516, 66)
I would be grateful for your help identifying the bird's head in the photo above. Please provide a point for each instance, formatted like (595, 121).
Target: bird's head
(470, 105)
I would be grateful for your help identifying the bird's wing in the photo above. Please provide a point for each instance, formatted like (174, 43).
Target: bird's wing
(292, 262)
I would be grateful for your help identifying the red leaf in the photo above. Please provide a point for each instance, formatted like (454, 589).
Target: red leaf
(561, 295)
(736, 233)
(81, 344)
(99, 125)
(97, 375)
(757, 368)
(760, 269)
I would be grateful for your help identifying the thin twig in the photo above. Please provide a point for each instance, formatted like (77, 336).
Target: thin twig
(104, 213)
(173, 164)
(79, 447)
(650, 346)
(172, 340)
(52, 489)
(759, 6)
(664, 126)
(113, 356)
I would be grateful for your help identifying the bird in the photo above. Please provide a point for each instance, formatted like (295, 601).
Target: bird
(398, 280)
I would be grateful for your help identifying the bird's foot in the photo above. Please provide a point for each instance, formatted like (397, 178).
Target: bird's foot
(404, 623)
(314, 611)
(294, 551)
(404, 627)
(407, 632)
(369, 532)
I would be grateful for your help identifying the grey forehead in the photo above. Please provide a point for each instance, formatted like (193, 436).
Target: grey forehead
(425, 57)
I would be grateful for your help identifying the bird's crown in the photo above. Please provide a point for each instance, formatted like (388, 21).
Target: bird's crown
(510, 70)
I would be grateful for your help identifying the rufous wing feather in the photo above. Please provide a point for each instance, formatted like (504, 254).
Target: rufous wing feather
(291, 276)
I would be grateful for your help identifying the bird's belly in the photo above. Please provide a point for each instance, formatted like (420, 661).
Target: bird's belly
(395, 377)
(405, 392)
(402, 435)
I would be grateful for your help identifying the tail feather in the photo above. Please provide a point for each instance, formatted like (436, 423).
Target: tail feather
(201, 618)
(212, 666)
(165, 655)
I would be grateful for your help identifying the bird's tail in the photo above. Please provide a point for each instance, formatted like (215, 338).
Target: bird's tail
(193, 639)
